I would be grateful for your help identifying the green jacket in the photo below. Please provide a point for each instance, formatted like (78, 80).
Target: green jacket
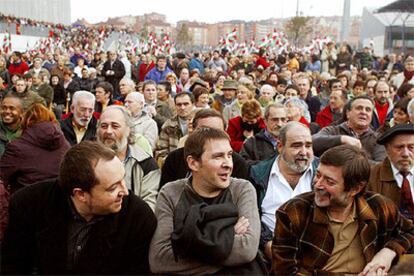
(7, 135)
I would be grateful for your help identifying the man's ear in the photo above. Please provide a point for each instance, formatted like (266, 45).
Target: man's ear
(80, 195)
(72, 108)
(192, 163)
(357, 189)
(279, 146)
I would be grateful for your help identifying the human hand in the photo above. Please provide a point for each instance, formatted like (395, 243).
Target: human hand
(241, 226)
(248, 134)
(151, 111)
(380, 264)
(345, 139)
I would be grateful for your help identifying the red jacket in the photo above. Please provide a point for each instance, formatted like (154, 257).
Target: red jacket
(324, 117)
(144, 69)
(19, 68)
(235, 132)
(262, 61)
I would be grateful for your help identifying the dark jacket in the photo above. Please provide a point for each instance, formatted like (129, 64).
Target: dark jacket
(257, 148)
(302, 244)
(119, 70)
(259, 177)
(175, 167)
(67, 129)
(36, 239)
(235, 132)
(330, 136)
(314, 105)
(33, 157)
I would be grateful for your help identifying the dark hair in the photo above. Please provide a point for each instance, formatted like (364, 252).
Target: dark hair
(167, 85)
(183, 94)
(207, 113)
(106, 86)
(403, 104)
(148, 82)
(78, 166)
(294, 87)
(403, 90)
(332, 81)
(362, 97)
(354, 163)
(198, 91)
(359, 83)
(195, 143)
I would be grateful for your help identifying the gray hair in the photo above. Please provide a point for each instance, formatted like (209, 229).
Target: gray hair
(273, 105)
(284, 130)
(82, 94)
(137, 96)
(267, 86)
(127, 118)
(128, 81)
(410, 108)
(300, 103)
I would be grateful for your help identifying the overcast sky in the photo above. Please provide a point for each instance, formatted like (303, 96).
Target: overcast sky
(211, 11)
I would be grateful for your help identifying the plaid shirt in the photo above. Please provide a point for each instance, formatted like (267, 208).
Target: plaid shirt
(302, 243)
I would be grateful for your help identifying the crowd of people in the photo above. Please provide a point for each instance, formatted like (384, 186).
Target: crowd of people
(114, 162)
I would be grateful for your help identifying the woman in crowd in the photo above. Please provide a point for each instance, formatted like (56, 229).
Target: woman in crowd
(243, 94)
(36, 155)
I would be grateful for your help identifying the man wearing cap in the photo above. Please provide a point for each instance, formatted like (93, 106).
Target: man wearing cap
(159, 72)
(229, 95)
(394, 177)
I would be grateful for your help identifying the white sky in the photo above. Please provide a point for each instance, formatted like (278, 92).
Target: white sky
(211, 11)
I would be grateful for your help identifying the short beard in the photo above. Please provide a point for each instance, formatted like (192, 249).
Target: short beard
(293, 166)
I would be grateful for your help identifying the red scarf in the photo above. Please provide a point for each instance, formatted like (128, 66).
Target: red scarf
(407, 76)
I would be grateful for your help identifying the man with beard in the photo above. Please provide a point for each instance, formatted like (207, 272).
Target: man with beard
(394, 177)
(356, 131)
(247, 125)
(264, 144)
(11, 114)
(340, 229)
(283, 177)
(142, 176)
(383, 105)
(81, 124)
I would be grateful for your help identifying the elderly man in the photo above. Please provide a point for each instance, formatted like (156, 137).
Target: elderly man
(11, 114)
(394, 177)
(159, 72)
(175, 128)
(263, 145)
(208, 223)
(80, 125)
(126, 86)
(314, 104)
(142, 123)
(113, 71)
(333, 111)
(85, 222)
(283, 177)
(338, 228)
(142, 175)
(355, 131)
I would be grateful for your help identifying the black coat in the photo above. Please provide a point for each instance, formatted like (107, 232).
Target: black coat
(119, 70)
(67, 129)
(175, 167)
(37, 235)
(257, 148)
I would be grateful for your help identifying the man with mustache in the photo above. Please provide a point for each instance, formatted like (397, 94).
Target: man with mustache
(264, 144)
(80, 125)
(394, 177)
(284, 176)
(339, 228)
(355, 131)
(116, 131)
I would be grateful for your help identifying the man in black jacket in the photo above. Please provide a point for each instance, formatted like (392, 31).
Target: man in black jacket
(81, 124)
(113, 71)
(86, 222)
